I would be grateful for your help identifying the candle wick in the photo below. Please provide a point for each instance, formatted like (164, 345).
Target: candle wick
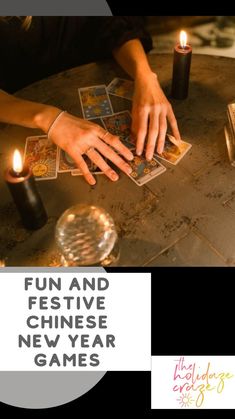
(17, 173)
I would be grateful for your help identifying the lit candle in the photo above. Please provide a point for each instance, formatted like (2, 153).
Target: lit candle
(22, 186)
(181, 68)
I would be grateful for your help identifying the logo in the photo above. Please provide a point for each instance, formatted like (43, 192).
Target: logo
(194, 382)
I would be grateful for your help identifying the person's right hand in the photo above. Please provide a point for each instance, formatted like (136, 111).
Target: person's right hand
(78, 137)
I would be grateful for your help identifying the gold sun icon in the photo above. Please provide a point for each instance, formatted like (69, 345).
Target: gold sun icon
(43, 168)
(185, 400)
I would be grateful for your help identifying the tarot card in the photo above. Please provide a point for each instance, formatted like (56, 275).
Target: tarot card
(95, 102)
(121, 87)
(173, 151)
(99, 122)
(119, 124)
(65, 162)
(128, 144)
(91, 166)
(41, 157)
(143, 170)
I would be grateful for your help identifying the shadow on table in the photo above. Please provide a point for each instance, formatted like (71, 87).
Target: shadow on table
(136, 252)
(204, 111)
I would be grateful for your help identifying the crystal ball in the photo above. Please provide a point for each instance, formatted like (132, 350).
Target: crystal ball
(85, 235)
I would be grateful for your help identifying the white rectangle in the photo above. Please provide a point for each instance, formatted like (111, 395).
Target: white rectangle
(193, 382)
(127, 305)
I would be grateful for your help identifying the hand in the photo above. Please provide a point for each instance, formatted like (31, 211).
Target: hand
(150, 112)
(77, 137)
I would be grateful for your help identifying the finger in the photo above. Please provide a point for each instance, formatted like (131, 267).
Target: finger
(177, 143)
(173, 124)
(115, 142)
(140, 126)
(101, 163)
(173, 140)
(83, 167)
(152, 134)
(161, 133)
(107, 151)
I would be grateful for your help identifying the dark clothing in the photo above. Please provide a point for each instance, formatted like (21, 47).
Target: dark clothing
(53, 44)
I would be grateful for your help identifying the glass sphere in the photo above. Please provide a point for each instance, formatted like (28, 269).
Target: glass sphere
(86, 236)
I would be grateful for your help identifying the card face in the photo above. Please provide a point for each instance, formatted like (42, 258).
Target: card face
(99, 122)
(121, 87)
(91, 166)
(128, 144)
(119, 124)
(143, 171)
(95, 102)
(41, 157)
(173, 153)
(65, 162)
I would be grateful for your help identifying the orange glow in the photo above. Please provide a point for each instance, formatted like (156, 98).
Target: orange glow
(183, 39)
(17, 162)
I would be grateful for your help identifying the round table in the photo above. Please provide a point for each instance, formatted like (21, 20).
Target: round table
(185, 217)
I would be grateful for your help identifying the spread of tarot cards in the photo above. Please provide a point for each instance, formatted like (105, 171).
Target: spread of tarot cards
(46, 160)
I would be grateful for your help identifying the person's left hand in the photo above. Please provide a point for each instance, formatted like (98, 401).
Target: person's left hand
(150, 113)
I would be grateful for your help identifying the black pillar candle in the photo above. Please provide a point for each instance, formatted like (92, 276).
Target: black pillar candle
(181, 68)
(22, 186)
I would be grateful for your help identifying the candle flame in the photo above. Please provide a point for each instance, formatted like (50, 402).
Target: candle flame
(17, 162)
(183, 39)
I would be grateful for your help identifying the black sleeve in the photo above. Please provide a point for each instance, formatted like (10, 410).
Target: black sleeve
(114, 31)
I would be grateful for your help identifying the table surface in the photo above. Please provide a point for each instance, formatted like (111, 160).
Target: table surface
(185, 217)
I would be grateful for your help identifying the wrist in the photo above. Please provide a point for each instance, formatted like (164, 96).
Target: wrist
(60, 114)
(45, 116)
(146, 75)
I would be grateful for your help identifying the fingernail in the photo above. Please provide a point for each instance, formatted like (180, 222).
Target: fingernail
(131, 156)
(114, 176)
(149, 156)
(92, 181)
(138, 152)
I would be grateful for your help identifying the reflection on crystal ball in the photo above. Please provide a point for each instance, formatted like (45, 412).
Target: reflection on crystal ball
(85, 235)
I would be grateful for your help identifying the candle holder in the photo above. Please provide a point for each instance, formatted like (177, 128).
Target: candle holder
(22, 185)
(181, 68)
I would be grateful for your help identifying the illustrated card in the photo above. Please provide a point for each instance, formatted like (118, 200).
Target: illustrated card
(99, 122)
(119, 124)
(91, 166)
(121, 87)
(65, 162)
(95, 102)
(174, 151)
(143, 170)
(128, 144)
(41, 156)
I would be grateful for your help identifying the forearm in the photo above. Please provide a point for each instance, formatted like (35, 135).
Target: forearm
(26, 113)
(132, 58)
